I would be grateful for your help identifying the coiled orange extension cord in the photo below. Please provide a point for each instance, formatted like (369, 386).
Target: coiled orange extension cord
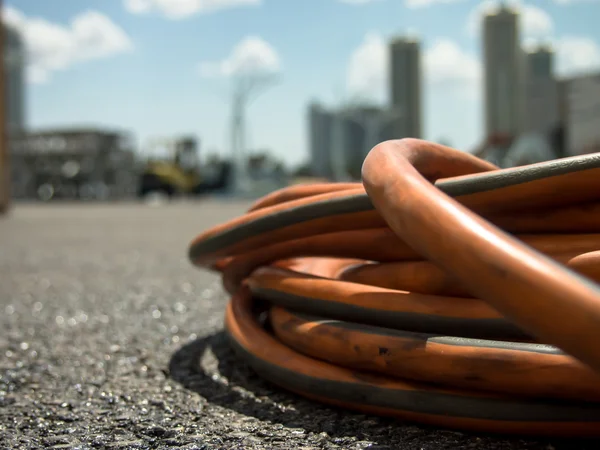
(440, 290)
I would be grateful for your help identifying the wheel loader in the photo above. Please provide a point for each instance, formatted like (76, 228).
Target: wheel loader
(180, 175)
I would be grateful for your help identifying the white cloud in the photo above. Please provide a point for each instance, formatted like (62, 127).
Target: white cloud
(358, 2)
(138, 6)
(368, 68)
(444, 63)
(575, 55)
(252, 55)
(52, 47)
(473, 26)
(180, 9)
(535, 22)
(414, 4)
(572, 2)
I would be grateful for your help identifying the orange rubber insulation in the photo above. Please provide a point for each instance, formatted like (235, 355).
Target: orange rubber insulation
(440, 290)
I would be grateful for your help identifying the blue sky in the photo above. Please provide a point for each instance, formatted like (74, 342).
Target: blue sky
(160, 67)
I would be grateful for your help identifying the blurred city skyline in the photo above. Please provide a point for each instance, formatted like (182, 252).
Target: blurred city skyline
(163, 67)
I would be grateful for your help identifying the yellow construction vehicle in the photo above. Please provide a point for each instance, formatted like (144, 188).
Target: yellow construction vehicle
(179, 174)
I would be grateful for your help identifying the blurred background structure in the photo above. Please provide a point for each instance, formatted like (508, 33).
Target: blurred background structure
(5, 41)
(529, 114)
(73, 163)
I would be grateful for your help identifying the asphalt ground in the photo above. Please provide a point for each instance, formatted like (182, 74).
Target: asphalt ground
(111, 339)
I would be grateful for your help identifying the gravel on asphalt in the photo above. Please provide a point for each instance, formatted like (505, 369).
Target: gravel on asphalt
(111, 339)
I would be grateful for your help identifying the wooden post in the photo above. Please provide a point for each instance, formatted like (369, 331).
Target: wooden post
(4, 159)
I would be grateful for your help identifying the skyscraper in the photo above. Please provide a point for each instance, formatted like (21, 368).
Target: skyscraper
(541, 95)
(14, 63)
(504, 74)
(320, 124)
(361, 128)
(405, 86)
(341, 138)
(582, 114)
(540, 62)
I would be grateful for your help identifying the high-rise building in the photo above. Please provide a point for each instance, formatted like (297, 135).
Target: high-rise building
(405, 86)
(341, 138)
(540, 62)
(362, 127)
(582, 114)
(352, 144)
(320, 124)
(504, 72)
(541, 92)
(14, 106)
(14, 64)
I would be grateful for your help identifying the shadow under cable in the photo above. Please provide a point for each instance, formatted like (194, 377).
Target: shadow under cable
(210, 367)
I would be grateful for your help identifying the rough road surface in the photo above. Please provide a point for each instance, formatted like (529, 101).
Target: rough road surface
(110, 339)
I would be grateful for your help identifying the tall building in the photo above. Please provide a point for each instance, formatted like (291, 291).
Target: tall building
(504, 72)
(14, 63)
(541, 93)
(320, 124)
(352, 141)
(340, 139)
(405, 86)
(362, 127)
(582, 114)
(540, 62)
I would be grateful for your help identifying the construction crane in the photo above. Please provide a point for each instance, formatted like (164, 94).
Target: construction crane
(246, 88)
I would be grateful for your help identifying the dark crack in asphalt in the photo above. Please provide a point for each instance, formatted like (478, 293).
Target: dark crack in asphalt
(110, 339)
